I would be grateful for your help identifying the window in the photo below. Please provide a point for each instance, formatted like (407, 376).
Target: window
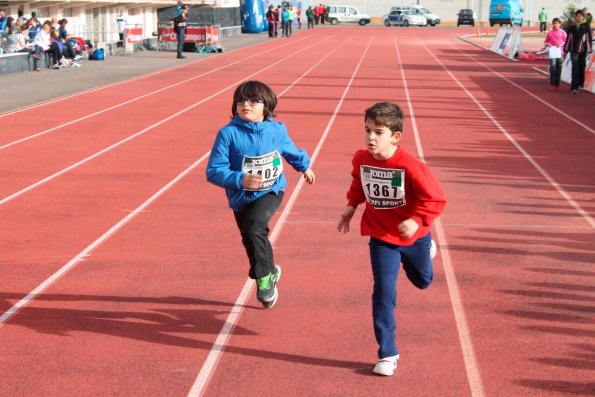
(352, 11)
(341, 10)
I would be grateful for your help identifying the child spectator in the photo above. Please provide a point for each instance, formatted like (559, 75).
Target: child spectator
(554, 41)
(578, 44)
(9, 36)
(402, 199)
(247, 160)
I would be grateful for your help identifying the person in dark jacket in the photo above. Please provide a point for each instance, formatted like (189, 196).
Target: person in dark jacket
(578, 44)
(180, 29)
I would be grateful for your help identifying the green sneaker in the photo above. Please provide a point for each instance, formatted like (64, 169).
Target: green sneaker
(267, 288)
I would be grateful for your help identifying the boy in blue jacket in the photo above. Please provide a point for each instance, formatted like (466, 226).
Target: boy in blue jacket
(246, 160)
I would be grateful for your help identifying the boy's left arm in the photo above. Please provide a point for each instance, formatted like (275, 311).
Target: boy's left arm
(297, 158)
(430, 198)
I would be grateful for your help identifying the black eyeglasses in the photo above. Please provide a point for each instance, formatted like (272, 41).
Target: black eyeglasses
(251, 101)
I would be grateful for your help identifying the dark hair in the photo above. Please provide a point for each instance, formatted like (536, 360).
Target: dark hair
(386, 114)
(556, 20)
(255, 89)
(10, 25)
(579, 12)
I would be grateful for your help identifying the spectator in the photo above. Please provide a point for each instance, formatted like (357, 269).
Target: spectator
(43, 44)
(180, 22)
(578, 44)
(286, 22)
(542, 20)
(69, 45)
(9, 36)
(271, 20)
(317, 15)
(121, 25)
(298, 15)
(33, 26)
(554, 41)
(21, 44)
(277, 16)
(310, 16)
(2, 19)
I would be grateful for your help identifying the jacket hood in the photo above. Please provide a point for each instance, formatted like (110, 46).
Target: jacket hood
(249, 125)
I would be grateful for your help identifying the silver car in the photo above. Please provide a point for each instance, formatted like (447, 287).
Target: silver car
(404, 18)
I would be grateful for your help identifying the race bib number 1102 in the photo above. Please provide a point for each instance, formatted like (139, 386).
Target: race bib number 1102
(384, 187)
(268, 166)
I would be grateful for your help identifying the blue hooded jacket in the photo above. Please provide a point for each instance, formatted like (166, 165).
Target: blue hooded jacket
(241, 140)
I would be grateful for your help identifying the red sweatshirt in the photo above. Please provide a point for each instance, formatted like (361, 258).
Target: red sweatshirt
(395, 189)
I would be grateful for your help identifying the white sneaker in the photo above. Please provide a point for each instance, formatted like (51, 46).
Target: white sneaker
(433, 249)
(386, 366)
(75, 65)
(77, 57)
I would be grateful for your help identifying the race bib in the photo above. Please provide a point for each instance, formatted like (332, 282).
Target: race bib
(384, 187)
(268, 166)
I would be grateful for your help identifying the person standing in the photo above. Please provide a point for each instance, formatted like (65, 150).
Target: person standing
(121, 25)
(542, 20)
(180, 22)
(578, 44)
(298, 15)
(310, 17)
(271, 20)
(247, 160)
(554, 42)
(286, 22)
(402, 198)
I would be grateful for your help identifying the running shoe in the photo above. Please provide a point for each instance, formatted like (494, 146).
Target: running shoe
(581, 88)
(267, 288)
(386, 366)
(574, 92)
(433, 249)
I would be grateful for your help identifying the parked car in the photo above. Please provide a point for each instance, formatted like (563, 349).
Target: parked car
(465, 17)
(404, 18)
(345, 13)
(432, 19)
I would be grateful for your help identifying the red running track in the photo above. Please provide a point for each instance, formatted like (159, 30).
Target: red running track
(123, 272)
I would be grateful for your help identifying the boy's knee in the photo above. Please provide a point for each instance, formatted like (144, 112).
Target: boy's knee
(423, 282)
(252, 228)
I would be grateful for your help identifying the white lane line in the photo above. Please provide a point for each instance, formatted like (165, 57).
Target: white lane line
(80, 256)
(533, 162)
(215, 354)
(140, 97)
(73, 166)
(549, 105)
(471, 367)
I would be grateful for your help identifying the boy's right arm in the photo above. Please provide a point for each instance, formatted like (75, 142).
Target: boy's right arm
(355, 196)
(219, 170)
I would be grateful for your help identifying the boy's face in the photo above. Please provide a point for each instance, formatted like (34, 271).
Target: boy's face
(556, 25)
(251, 109)
(380, 140)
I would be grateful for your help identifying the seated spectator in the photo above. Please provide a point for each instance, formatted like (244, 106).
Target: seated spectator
(33, 26)
(44, 44)
(2, 19)
(21, 44)
(9, 36)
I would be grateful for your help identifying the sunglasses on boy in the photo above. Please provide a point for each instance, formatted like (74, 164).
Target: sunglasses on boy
(251, 101)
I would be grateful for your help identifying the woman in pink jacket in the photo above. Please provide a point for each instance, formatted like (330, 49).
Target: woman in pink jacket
(554, 42)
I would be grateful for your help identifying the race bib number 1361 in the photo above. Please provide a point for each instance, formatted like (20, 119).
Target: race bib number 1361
(384, 187)
(268, 166)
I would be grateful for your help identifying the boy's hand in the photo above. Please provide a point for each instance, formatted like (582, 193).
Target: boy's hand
(343, 225)
(251, 181)
(309, 176)
(407, 228)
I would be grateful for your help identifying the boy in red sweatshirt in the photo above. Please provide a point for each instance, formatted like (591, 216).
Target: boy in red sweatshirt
(402, 199)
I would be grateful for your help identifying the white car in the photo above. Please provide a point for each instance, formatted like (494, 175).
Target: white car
(404, 18)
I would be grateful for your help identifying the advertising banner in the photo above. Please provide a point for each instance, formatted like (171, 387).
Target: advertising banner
(194, 34)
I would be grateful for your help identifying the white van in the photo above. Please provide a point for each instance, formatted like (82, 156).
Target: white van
(432, 19)
(343, 13)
